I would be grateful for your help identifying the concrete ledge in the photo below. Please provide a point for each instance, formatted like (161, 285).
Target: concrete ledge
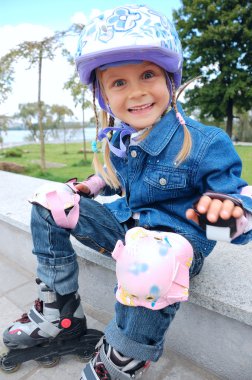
(213, 329)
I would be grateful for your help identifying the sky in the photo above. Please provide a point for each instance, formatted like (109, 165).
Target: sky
(27, 20)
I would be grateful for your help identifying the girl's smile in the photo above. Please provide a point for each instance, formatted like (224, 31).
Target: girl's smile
(136, 93)
(141, 109)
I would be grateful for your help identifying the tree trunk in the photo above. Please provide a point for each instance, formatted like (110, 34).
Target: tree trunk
(40, 116)
(83, 126)
(229, 126)
(65, 145)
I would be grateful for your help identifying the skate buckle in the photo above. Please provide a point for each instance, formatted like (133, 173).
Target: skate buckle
(66, 323)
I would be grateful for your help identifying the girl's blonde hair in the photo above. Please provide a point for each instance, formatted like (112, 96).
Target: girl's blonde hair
(107, 171)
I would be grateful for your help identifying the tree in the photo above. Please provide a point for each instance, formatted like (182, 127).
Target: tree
(35, 52)
(78, 92)
(5, 121)
(6, 79)
(6, 76)
(217, 42)
(28, 114)
(61, 112)
(243, 127)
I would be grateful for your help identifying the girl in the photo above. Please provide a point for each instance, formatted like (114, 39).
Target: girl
(162, 163)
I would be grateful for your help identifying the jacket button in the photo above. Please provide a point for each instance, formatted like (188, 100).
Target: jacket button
(162, 181)
(133, 153)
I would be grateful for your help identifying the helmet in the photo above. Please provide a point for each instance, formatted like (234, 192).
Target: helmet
(152, 268)
(126, 33)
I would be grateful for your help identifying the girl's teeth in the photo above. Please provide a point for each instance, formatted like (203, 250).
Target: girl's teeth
(140, 107)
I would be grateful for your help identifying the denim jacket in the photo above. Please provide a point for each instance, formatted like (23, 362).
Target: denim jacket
(161, 190)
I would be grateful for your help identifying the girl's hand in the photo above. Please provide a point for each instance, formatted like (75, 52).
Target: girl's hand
(82, 187)
(215, 208)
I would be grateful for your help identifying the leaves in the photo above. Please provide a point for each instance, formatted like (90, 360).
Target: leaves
(217, 41)
(6, 76)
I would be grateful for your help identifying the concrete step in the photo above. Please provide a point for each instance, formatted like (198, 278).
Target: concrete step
(211, 333)
(17, 293)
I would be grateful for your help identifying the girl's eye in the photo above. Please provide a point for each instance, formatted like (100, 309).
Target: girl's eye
(148, 75)
(119, 83)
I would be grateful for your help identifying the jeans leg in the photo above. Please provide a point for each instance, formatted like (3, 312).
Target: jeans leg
(140, 332)
(57, 263)
(97, 227)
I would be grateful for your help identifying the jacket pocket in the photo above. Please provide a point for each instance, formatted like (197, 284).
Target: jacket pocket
(165, 183)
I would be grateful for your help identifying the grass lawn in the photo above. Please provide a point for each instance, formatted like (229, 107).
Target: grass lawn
(245, 152)
(60, 166)
(63, 166)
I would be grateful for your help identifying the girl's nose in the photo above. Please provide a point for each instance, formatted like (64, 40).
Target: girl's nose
(136, 91)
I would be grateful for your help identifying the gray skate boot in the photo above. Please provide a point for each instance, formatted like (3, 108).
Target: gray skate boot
(52, 316)
(109, 364)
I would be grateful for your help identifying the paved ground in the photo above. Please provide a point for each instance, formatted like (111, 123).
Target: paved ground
(17, 293)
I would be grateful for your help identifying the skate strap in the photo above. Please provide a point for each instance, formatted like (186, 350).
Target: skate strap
(114, 371)
(44, 325)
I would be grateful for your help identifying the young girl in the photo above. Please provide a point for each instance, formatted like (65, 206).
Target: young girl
(171, 172)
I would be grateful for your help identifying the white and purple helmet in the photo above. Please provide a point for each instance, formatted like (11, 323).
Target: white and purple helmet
(129, 33)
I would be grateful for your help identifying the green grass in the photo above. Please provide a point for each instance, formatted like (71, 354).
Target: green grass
(73, 161)
(75, 165)
(245, 153)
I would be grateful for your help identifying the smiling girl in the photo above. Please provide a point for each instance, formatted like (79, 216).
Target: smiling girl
(170, 171)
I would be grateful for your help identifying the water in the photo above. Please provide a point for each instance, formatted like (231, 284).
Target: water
(21, 137)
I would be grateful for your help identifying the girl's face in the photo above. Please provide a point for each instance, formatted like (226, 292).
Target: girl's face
(136, 93)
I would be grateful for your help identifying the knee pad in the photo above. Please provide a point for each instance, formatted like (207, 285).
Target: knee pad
(58, 197)
(152, 268)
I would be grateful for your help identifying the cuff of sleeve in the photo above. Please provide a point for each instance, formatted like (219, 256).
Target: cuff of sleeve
(95, 184)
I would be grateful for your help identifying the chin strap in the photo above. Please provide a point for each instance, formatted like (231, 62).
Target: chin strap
(125, 130)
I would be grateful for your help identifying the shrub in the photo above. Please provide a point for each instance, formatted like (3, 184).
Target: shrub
(14, 152)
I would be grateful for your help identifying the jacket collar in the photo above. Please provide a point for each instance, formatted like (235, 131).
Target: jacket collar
(162, 133)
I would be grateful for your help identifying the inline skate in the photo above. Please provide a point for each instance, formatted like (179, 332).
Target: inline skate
(54, 327)
(109, 364)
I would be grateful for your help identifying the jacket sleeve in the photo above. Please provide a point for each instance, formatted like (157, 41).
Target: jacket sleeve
(219, 170)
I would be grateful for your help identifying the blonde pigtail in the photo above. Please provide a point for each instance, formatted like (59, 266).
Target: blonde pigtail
(108, 175)
(187, 143)
(111, 177)
(183, 87)
(96, 163)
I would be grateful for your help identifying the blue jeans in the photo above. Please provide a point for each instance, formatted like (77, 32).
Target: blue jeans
(136, 332)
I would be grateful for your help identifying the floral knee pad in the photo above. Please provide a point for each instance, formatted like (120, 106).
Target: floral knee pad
(152, 268)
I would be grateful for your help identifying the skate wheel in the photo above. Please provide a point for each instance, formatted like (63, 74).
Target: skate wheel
(49, 362)
(84, 359)
(7, 366)
(85, 355)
